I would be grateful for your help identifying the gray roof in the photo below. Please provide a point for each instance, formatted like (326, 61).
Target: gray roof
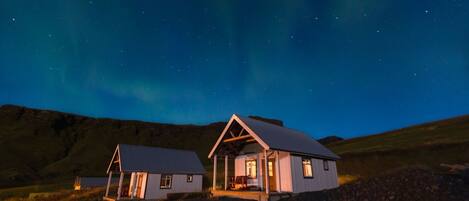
(158, 160)
(281, 138)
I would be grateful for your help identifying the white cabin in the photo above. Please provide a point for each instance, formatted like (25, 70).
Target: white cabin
(295, 162)
(154, 172)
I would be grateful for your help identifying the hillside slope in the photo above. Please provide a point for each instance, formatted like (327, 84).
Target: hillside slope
(429, 144)
(42, 145)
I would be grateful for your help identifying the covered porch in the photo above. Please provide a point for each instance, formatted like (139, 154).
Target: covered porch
(251, 169)
(131, 184)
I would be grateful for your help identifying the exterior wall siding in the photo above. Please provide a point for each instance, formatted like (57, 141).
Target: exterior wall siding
(285, 172)
(321, 179)
(179, 185)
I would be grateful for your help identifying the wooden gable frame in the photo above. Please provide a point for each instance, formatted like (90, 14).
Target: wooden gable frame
(115, 159)
(246, 133)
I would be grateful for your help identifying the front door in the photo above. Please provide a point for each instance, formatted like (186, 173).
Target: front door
(271, 173)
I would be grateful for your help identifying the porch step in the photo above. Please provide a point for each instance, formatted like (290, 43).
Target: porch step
(249, 195)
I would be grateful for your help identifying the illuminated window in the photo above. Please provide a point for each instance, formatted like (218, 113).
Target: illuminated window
(251, 169)
(190, 178)
(271, 169)
(326, 165)
(307, 168)
(165, 182)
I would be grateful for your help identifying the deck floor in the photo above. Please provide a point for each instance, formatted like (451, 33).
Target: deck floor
(250, 195)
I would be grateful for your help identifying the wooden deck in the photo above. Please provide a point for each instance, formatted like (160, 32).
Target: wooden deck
(114, 198)
(251, 195)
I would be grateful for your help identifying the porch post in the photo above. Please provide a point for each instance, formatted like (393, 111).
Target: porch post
(108, 183)
(214, 172)
(277, 172)
(226, 172)
(266, 173)
(259, 170)
(133, 184)
(119, 189)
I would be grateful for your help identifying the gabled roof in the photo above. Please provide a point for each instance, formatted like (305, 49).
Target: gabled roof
(134, 158)
(274, 137)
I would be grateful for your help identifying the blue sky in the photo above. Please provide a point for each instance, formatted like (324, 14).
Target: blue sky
(347, 68)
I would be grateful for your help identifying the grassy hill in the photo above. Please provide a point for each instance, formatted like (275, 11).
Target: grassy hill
(429, 145)
(41, 145)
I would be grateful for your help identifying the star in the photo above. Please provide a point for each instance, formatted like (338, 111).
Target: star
(292, 37)
(336, 17)
(427, 11)
(13, 19)
(378, 31)
(316, 18)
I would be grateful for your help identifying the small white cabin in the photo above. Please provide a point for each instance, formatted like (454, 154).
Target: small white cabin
(154, 172)
(294, 161)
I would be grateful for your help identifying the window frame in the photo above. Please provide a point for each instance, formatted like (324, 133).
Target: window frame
(191, 176)
(170, 181)
(303, 167)
(270, 166)
(325, 165)
(246, 168)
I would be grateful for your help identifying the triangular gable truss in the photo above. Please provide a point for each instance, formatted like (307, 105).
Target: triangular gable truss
(245, 133)
(115, 159)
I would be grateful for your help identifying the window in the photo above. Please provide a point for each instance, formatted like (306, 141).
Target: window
(251, 169)
(326, 165)
(165, 182)
(307, 168)
(190, 178)
(271, 169)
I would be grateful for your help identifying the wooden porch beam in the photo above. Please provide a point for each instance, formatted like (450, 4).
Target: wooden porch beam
(266, 173)
(108, 184)
(226, 172)
(214, 185)
(119, 189)
(277, 172)
(251, 140)
(241, 132)
(237, 138)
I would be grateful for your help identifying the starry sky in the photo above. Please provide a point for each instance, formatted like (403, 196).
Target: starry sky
(343, 67)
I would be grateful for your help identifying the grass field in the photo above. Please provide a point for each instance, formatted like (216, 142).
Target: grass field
(427, 145)
(24, 191)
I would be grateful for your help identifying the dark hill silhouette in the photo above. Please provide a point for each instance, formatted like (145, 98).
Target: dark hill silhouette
(330, 139)
(42, 145)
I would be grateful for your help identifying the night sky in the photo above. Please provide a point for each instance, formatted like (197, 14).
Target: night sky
(347, 67)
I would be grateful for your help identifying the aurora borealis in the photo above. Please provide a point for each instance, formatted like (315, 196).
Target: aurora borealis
(324, 67)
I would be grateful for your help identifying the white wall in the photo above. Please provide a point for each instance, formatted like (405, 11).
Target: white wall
(285, 172)
(179, 185)
(321, 179)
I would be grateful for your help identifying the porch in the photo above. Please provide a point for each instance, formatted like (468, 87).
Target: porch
(251, 169)
(127, 189)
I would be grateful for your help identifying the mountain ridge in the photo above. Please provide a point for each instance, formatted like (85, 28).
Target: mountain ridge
(44, 145)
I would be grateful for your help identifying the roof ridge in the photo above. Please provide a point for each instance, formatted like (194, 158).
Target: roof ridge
(155, 147)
